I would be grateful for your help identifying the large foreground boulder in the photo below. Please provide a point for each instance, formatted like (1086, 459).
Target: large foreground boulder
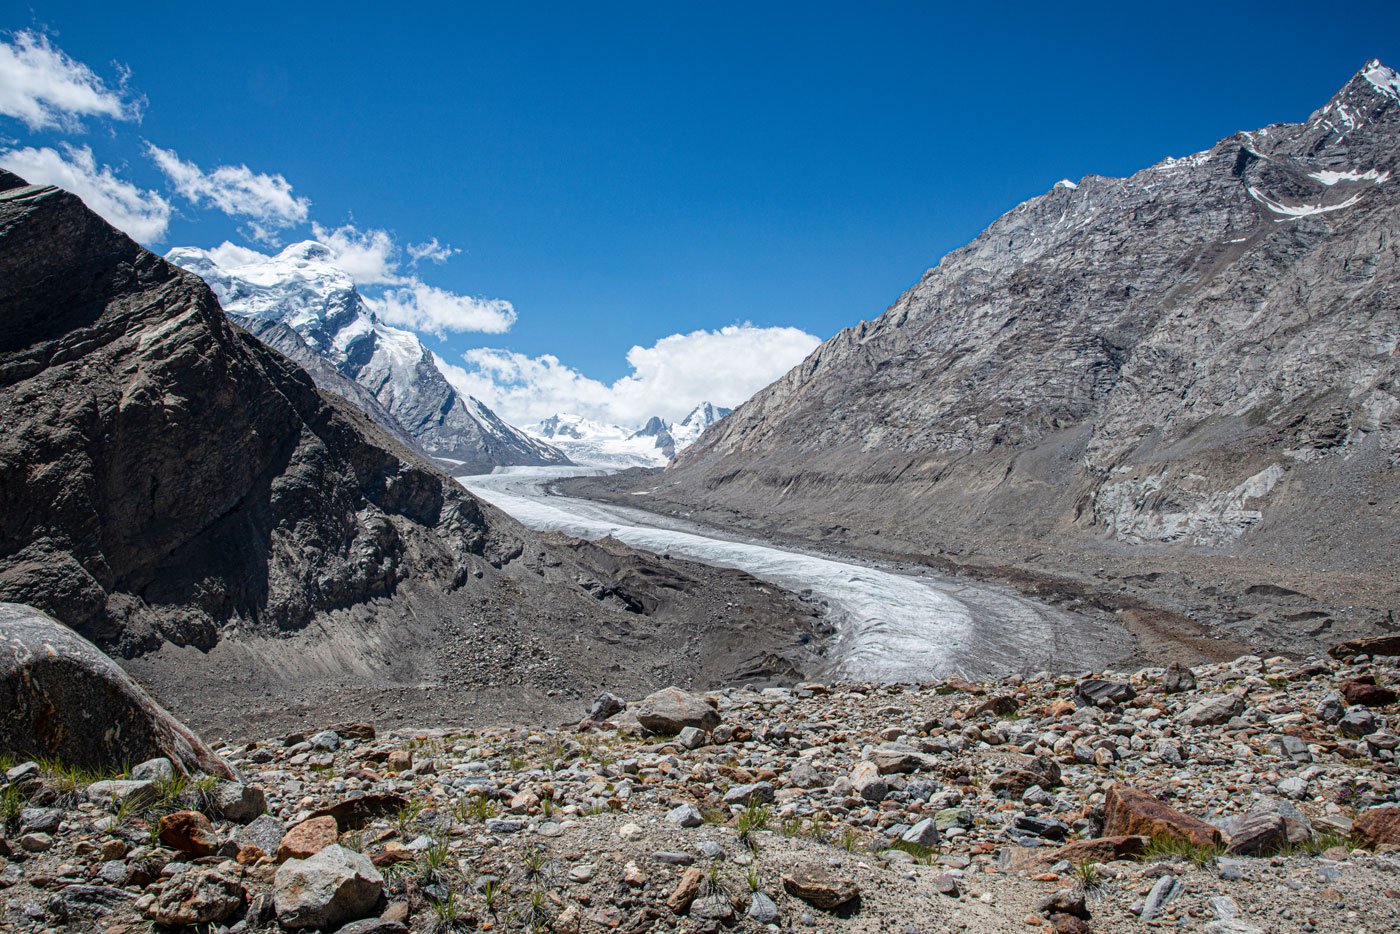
(63, 698)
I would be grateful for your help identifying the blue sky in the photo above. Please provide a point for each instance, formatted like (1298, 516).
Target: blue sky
(622, 172)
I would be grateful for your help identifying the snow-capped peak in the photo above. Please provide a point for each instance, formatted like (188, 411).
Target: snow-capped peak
(1383, 79)
(304, 288)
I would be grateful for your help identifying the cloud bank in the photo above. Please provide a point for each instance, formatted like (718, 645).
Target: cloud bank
(669, 378)
(43, 88)
(265, 201)
(143, 214)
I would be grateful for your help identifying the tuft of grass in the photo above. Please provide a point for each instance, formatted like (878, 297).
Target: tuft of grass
(713, 884)
(1088, 877)
(407, 816)
(170, 793)
(849, 840)
(480, 808)
(446, 911)
(714, 815)
(1320, 843)
(791, 827)
(491, 894)
(750, 821)
(753, 878)
(11, 803)
(1171, 848)
(535, 916)
(923, 855)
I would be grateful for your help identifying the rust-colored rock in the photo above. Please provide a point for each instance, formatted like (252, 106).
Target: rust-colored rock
(1365, 692)
(308, 838)
(819, 887)
(1380, 645)
(189, 832)
(1378, 827)
(1102, 849)
(1130, 811)
(685, 891)
(356, 811)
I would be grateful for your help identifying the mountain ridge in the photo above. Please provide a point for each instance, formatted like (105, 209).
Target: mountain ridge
(1192, 367)
(303, 290)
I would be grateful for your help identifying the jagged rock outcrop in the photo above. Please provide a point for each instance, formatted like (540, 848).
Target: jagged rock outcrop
(183, 496)
(1186, 379)
(306, 306)
(163, 474)
(53, 684)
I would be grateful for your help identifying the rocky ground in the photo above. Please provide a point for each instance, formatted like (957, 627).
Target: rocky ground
(1254, 795)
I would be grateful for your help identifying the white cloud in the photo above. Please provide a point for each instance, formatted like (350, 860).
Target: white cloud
(370, 257)
(432, 251)
(669, 378)
(265, 200)
(424, 307)
(43, 88)
(144, 215)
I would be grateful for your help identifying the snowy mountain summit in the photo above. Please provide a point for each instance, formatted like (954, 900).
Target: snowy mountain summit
(597, 444)
(303, 304)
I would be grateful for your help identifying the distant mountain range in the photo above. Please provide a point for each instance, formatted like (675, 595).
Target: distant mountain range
(303, 304)
(1180, 388)
(590, 443)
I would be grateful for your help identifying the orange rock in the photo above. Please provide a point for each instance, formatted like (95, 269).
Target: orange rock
(248, 854)
(685, 891)
(1130, 811)
(1378, 827)
(189, 832)
(308, 838)
(1101, 849)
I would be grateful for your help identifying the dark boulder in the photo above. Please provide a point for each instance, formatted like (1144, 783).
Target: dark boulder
(61, 697)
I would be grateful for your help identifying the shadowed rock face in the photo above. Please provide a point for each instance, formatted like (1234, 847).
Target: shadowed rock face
(1196, 361)
(54, 683)
(257, 551)
(162, 473)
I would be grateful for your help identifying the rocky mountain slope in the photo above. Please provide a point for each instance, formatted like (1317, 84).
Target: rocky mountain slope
(304, 305)
(590, 443)
(183, 496)
(1179, 387)
(1251, 796)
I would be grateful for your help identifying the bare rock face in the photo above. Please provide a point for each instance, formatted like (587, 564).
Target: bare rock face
(162, 473)
(52, 681)
(1194, 361)
(186, 498)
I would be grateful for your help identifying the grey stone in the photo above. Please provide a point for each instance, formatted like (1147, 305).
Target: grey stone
(196, 897)
(327, 740)
(1165, 889)
(755, 793)
(155, 769)
(671, 710)
(264, 832)
(238, 802)
(1357, 722)
(686, 815)
(1212, 711)
(763, 909)
(1259, 834)
(333, 887)
(605, 705)
(691, 737)
(924, 833)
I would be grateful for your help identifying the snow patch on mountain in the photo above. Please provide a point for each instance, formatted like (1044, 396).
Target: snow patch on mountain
(596, 444)
(303, 288)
